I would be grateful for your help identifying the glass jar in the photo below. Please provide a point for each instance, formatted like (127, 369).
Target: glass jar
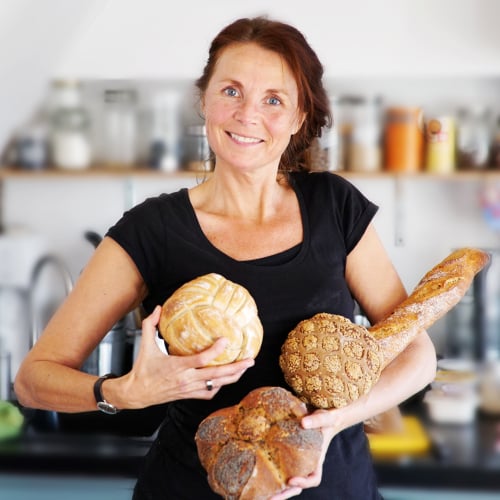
(196, 149)
(440, 144)
(324, 153)
(119, 146)
(364, 149)
(495, 146)
(69, 127)
(473, 138)
(404, 139)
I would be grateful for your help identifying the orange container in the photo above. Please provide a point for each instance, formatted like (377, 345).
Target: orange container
(404, 139)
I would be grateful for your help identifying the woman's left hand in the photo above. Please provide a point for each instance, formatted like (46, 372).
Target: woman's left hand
(320, 419)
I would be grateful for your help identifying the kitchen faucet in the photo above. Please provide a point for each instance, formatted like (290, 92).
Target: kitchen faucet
(41, 264)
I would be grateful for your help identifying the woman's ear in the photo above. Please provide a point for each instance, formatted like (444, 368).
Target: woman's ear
(300, 121)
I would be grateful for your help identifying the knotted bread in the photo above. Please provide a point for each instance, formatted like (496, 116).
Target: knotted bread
(251, 449)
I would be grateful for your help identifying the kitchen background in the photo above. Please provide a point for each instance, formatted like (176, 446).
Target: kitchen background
(97, 112)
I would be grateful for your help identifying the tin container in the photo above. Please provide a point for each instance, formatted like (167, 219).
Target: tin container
(440, 145)
(404, 139)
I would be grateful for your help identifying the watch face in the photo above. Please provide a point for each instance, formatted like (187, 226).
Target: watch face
(106, 407)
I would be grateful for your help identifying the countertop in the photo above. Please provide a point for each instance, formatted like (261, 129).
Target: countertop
(462, 457)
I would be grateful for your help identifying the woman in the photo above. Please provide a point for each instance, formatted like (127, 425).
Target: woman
(300, 242)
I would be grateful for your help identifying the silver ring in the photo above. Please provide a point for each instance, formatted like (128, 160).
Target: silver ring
(209, 384)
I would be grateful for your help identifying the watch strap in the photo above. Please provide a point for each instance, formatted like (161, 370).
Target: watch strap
(99, 398)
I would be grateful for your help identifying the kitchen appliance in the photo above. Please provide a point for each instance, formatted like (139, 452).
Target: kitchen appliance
(473, 325)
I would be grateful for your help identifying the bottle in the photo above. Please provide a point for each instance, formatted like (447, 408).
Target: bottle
(69, 127)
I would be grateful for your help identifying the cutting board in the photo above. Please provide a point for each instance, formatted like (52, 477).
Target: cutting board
(412, 439)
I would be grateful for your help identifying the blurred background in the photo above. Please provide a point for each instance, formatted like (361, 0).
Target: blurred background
(97, 112)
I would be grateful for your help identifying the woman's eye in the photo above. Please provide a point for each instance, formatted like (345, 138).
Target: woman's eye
(231, 92)
(274, 101)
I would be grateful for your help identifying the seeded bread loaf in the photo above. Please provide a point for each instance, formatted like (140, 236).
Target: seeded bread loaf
(329, 361)
(250, 450)
(209, 307)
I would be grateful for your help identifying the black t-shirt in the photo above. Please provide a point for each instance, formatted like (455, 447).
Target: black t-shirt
(165, 240)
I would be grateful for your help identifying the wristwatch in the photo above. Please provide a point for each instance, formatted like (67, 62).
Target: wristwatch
(102, 404)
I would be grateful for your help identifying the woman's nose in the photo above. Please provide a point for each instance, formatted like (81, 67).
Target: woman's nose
(246, 111)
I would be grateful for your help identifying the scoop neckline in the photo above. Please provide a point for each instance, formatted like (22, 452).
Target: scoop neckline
(254, 262)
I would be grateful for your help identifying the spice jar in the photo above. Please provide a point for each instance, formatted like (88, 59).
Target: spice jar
(69, 127)
(404, 139)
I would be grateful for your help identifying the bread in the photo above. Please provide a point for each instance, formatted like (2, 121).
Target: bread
(207, 308)
(329, 361)
(251, 449)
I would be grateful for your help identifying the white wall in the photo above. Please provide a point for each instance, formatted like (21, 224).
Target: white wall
(42, 39)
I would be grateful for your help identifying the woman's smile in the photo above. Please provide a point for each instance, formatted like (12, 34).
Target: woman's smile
(244, 139)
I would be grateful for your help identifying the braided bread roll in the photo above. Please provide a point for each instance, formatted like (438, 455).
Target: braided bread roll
(251, 449)
(329, 361)
(207, 308)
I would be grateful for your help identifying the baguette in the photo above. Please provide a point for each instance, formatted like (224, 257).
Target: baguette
(329, 361)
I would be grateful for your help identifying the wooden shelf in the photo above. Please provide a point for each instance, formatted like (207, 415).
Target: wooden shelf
(143, 171)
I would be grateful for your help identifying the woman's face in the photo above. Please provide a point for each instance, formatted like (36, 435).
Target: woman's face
(250, 107)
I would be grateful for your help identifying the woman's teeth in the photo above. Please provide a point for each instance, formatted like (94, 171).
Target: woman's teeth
(248, 140)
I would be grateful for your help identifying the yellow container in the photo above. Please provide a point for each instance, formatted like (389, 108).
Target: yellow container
(440, 145)
(411, 440)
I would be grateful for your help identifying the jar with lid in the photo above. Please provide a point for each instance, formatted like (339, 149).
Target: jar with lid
(343, 115)
(404, 139)
(196, 149)
(473, 137)
(119, 147)
(69, 127)
(495, 146)
(364, 148)
(440, 144)
(324, 152)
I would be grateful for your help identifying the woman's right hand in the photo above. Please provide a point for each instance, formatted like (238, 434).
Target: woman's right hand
(157, 377)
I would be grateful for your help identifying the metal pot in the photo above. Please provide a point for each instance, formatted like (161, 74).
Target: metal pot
(115, 352)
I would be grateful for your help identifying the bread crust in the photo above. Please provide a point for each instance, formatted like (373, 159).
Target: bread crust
(207, 308)
(250, 450)
(436, 293)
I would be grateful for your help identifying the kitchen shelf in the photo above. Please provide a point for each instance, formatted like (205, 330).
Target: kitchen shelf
(145, 172)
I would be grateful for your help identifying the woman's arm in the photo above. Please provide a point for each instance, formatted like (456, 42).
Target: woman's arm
(108, 288)
(378, 289)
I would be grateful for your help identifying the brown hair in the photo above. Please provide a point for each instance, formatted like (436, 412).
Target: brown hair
(305, 66)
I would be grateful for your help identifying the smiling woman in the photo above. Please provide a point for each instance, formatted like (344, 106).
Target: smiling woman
(301, 243)
(251, 107)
